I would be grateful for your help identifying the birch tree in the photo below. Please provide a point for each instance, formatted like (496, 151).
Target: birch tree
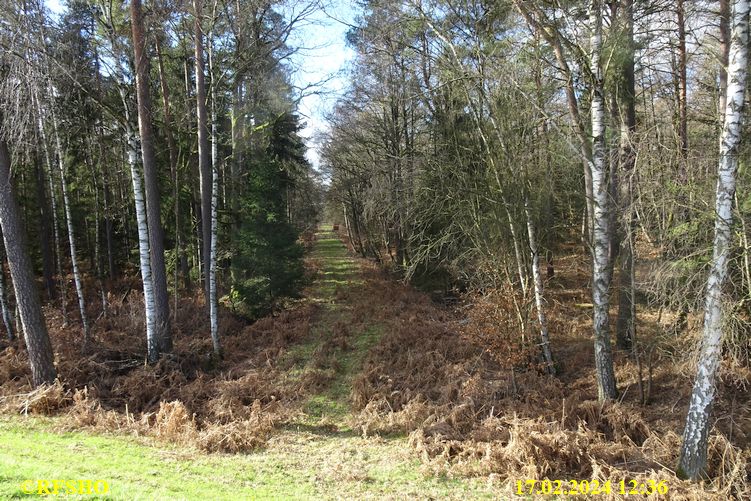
(162, 334)
(606, 385)
(69, 222)
(693, 456)
(213, 300)
(142, 227)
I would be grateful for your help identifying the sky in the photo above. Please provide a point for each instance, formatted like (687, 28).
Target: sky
(321, 62)
(324, 59)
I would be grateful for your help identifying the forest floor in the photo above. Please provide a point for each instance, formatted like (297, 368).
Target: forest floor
(317, 451)
(365, 388)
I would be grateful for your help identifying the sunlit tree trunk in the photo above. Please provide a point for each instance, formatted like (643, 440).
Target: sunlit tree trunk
(151, 183)
(693, 457)
(152, 344)
(539, 291)
(606, 385)
(55, 225)
(27, 297)
(724, 54)
(71, 234)
(213, 299)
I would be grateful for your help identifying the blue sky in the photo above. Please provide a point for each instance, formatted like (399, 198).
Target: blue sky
(324, 57)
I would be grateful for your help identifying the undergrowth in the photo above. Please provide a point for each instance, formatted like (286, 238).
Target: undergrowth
(366, 356)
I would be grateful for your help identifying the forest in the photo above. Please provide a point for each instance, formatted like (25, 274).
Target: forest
(505, 256)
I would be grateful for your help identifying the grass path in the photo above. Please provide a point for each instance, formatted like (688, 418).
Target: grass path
(316, 457)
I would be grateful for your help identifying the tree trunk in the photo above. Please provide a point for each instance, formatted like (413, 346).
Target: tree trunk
(572, 101)
(213, 300)
(53, 201)
(204, 162)
(693, 457)
(29, 307)
(173, 155)
(606, 384)
(724, 54)
(151, 183)
(539, 292)
(152, 343)
(626, 323)
(71, 234)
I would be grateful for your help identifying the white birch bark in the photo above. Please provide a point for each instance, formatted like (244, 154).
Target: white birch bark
(144, 250)
(55, 225)
(213, 300)
(693, 457)
(606, 385)
(71, 234)
(539, 292)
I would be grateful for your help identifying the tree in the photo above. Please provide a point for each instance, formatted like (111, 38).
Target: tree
(626, 112)
(606, 386)
(693, 457)
(37, 340)
(162, 334)
(204, 159)
(212, 297)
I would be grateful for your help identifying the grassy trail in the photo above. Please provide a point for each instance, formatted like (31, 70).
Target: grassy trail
(317, 456)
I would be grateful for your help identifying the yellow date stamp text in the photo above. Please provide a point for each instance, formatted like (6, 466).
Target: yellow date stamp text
(592, 487)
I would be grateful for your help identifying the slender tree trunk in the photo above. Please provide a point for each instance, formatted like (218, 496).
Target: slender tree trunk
(55, 223)
(173, 156)
(517, 252)
(152, 343)
(526, 9)
(204, 162)
(539, 291)
(187, 241)
(213, 299)
(151, 183)
(626, 323)
(606, 385)
(144, 253)
(29, 307)
(724, 54)
(71, 234)
(696, 433)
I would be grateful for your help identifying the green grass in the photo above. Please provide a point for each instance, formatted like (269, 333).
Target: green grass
(299, 464)
(317, 457)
